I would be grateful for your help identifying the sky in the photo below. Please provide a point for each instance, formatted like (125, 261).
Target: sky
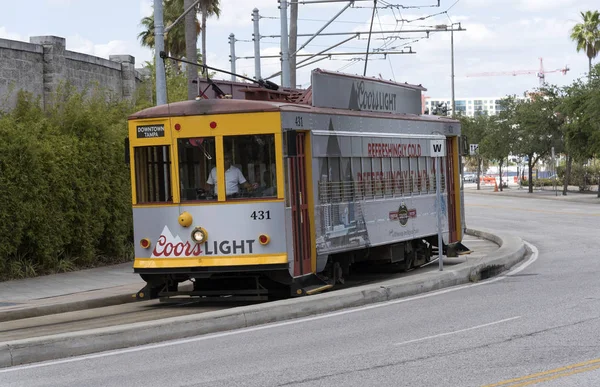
(499, 36)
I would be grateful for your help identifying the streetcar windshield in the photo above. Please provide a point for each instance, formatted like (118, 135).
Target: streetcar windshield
(250, 166)
(196, 161)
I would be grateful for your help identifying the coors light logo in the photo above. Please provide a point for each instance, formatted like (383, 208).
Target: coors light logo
(365, 96)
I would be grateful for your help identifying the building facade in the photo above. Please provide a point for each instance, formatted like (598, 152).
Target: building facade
(465, 106)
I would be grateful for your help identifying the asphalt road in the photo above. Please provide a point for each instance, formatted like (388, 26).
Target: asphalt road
(538, 325)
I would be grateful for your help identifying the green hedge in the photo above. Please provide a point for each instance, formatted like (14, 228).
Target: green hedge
(65, 196)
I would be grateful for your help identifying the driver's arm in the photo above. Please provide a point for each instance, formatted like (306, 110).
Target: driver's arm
(243, 182)
(210, 182)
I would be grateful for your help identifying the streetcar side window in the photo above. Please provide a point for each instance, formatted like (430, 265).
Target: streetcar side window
(196, 163)
(153, 174)
(250, 165)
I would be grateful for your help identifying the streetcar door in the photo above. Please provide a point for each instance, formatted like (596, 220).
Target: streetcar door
(299, 202)
(451, 190)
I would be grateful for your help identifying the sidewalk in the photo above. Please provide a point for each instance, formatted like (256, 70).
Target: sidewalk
(77, 290)
(573, 193)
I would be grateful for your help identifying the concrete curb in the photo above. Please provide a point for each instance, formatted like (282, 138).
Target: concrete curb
(18, 352)
(71, 306)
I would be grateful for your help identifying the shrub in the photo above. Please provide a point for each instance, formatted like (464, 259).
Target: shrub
(65, 198)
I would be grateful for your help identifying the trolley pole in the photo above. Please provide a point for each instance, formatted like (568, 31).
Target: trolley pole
(232, 55)
(439, 211)
(256, 38)
(285, 52)
(159, 45)
(438, 150)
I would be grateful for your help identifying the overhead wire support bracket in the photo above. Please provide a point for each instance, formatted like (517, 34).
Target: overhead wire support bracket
(336, 54)
(379, 32)
(303, 2)
(325, 26)
(330, 54)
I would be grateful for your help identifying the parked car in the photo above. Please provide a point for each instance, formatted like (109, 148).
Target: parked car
(470, 178)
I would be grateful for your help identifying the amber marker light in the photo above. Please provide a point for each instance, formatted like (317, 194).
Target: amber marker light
(185, 219)
(145, 243)
(263, 239)
(199, 235)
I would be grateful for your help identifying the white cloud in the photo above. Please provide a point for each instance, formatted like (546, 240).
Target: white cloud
(5, 34)
(239, 13)
(105, 50)
(146, 8)
(544, 5)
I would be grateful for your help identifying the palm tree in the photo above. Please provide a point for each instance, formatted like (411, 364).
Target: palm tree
(587, 35)
(208, 8)
(175, 39)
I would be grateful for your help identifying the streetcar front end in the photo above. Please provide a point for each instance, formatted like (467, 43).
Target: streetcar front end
(208, 202)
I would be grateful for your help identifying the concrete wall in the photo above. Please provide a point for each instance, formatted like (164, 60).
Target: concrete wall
(41, 65)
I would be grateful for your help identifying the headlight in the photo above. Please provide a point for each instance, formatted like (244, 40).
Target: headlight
(199, 235)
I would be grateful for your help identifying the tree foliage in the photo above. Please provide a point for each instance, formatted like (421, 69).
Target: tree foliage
(587, 35)
(564, 118)
(64, 186)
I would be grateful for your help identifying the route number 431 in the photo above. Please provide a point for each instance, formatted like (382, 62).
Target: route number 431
(261, 215)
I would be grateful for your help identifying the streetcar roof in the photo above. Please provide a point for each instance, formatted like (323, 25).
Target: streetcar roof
(233, 106)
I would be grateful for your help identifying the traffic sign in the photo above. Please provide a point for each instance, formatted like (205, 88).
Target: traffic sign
(473, 149)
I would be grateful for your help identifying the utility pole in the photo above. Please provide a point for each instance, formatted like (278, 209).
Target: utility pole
(232, 55)
(256, 38)
(285, 53)
(159, 45)
(452, 69)
(293, 40)
(190, 49)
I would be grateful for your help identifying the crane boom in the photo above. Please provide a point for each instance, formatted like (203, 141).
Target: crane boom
(540, 73)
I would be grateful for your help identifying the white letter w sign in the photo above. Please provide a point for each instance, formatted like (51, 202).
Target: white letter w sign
(438, 148)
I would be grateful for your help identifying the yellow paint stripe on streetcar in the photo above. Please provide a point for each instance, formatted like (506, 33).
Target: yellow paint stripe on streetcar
(556, 373)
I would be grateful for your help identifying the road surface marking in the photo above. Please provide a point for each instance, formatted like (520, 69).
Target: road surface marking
(458, 331)
(170, 343)
(545, 376)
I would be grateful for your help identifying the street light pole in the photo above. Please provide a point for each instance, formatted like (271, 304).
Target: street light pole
(159, 45)
(452, 69)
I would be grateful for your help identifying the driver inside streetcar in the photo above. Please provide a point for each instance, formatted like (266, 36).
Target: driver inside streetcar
(233, 179)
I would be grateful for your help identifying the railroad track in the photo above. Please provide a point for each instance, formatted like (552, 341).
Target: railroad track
(155, 309)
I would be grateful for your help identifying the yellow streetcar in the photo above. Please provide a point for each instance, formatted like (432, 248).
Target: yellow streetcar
(279, 194)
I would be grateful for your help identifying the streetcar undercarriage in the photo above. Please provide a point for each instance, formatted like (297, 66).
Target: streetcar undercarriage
(261, 284)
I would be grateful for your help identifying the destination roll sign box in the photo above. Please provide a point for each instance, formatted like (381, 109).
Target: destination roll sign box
(334, 90)
(150, 131)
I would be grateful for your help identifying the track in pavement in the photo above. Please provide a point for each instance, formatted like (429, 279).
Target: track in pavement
(155, 310)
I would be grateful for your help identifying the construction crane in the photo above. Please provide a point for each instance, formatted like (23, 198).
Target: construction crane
(541, 73)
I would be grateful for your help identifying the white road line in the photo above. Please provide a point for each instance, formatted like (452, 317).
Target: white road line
(459, 331)
(532, 259)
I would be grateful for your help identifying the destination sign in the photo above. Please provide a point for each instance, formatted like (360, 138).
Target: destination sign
(342, 91)
(150, 131)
